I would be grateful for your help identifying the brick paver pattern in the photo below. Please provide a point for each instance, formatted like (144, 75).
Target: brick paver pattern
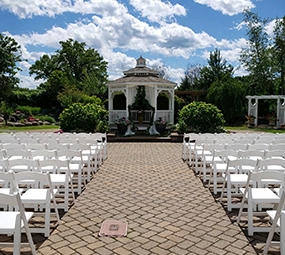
(168, 209)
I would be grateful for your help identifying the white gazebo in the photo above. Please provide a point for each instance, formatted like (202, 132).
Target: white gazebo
(126, 88)
(280, 107)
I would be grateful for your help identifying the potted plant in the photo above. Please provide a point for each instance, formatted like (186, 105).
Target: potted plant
(251, 119)
(122, 125)
(271, 119)
(140, 114)
(160, 125)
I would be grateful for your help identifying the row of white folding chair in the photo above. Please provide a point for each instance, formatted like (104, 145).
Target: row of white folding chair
(81, 154)
(256, 193)
(60, 173)
(14, 221)
(36, 192)
(207, 155)
(236, 175)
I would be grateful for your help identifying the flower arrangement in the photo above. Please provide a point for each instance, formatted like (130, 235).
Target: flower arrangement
(123, 121)
(160, 121)
(250, 116)
(140, 113)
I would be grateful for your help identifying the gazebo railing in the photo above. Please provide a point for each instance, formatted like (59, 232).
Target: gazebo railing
(164, 114)
(146, 115)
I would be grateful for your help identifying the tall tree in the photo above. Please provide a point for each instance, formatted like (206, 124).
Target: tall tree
(10, 54)
(279, 52)
(217, 70)
(192, 75)
(256, 57)
(80, 66)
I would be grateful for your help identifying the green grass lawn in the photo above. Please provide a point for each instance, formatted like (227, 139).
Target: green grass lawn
(49, 128)
(257, 129)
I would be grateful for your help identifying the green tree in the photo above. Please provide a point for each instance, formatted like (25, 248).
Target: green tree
(256, 58)
(217, 70)
(229, 96)
(10, 54)
(72, 64)
(279, 52)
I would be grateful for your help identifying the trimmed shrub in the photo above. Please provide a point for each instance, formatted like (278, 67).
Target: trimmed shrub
(29, 110)
(200, 117)
(82, 117)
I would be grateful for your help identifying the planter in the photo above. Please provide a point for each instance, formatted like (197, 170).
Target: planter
(251, 121)
(140, 119)
(122, 129)
(160, 127)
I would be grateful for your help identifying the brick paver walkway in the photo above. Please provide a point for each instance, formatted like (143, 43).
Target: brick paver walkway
(168, 209)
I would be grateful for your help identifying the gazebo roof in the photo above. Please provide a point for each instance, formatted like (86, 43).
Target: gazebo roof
(141, 75)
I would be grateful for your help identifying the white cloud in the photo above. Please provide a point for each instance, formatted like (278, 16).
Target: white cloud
(50, 8)
(114, 32)
(157, 10)
(227, 7)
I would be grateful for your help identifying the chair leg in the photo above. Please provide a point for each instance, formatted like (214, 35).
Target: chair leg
(17, 236)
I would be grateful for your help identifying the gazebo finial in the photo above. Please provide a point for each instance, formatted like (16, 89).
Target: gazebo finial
(141, 62)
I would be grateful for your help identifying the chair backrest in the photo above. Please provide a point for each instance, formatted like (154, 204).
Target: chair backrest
(271, 164)
(16, 153)
(39, 179)
(43, 154)
(225, 154)
(258, 146)
(252, 154)
(277, 146)
(9, 146)
(237, 146)
(7, 181)
(3, 165)
(275, 153)
(35, 146)
(256, 178)
(242, 165)
(54, 166)
(23, 164)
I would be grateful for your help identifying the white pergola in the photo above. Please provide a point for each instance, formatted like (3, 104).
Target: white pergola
(280, 107)
(154, 85)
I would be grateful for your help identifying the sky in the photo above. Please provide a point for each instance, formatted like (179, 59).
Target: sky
(174, 34)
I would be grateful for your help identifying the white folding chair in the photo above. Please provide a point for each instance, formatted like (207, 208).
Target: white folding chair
(13, 222)
(75, 159)
(219, 166)
(277, 217)
(236, 177)
(255, 194)
(207, 159)
(61, 179)
(40, 195)
(199, 151)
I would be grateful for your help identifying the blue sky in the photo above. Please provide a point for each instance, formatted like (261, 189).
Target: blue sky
(174, 34)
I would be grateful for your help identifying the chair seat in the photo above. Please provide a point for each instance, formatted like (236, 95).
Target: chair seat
(262, 195)
(8, 220)
(238, 178)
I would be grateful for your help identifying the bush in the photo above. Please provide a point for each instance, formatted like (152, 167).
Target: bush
(45, 118)
(29, 110)
(200, 117)
(82, 117)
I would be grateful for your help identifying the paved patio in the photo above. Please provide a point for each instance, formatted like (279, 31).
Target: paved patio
(168, 209)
